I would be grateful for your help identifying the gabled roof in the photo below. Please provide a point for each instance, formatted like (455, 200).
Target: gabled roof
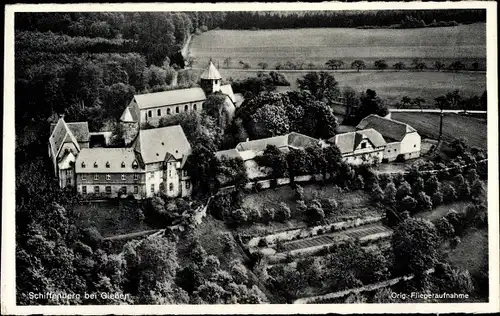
(107, 160)
(154, 144)
(229, 153)
(127, 116)
(172, 97)
(261, 144)
(390, 129)
(211, 73)
(80, 130)
(61, 134)
(348, 142)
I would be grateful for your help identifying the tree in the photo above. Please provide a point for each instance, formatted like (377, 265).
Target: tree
(408, 204)
(377, 193)
(321, 85)
(475, 65)
(449, 193)
(283, 213)
(202, 166)
(314, 214)
(390, 193)
(456, 66)
(117, 135)
(275, 159)
(477, 190)
(448, 279)
(437, 198)
(370, 103)
(418, 64)
(405, 101)
(424, 202)
(454, 99)
(399, 66)
(417, 102)
(232, 171)
(334, 64)
(380, 64)
(262, 65)
(351, 100)
(439, 65)
(404, 189)
(445, 229)
(415, 246)
(227, 62)
(116, 98)
(358, 64)
(268, 121)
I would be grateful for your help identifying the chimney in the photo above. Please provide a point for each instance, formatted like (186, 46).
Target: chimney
(247, 140)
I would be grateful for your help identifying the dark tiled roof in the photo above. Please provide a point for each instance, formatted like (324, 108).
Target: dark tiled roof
(391, 130)
(107, 160)
(179, 96)
(61, 134)
(80, 130)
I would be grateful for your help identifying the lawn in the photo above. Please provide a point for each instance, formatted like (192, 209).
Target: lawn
(442, 210)
(351, 204)
(454, 126)
(317, 45)
(110, 218)
(469, 253)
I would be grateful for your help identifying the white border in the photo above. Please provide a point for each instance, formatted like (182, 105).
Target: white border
(8, 289)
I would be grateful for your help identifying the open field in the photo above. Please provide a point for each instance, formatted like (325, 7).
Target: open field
(454, 126)
(110, 218)
(469, 253)
(391, 85)
(317, 45)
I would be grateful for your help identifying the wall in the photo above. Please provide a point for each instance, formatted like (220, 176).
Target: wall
(116, 190)
(174, 109)
(392, 150)
(171, 177)
(410, 145)
(154, 177)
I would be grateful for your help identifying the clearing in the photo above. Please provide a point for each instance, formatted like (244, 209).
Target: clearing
(474, 130)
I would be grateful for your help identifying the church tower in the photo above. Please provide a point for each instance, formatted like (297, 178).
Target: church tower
(129, 125)
(210, 79)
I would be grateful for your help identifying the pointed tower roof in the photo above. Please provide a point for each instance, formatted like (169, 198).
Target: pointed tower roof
(127, 116)
(211, 73)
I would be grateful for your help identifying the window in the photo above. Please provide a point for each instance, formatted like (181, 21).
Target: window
(83, 164)
(84, 189)
(153, 188)
(176, 109)
(151, 174)
(134, 165)
(171, 187)
(136, 177)
(194, 107)
(363, 145)
(186, 108)
(188, 185)
(414, 146)
(136, 190)
(124, 177)
(96, 189)
(108, 177)
(96, 177)
(184, 173)
(395, 150)
(108, 189)
(170, 173)
(83, 177)
(124, 190)
(150, 113)
(96, 165)
(123, 164)
(107, 164)
(69, 181)
(168, 111)
(159, 112)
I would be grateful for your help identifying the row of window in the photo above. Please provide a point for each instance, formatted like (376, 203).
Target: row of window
(107, 189)
(108, 165)
(177, 110)
(108, 177)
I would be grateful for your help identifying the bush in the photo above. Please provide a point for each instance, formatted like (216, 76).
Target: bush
(263, 243)
(449, 193)
(437, 198)
(227, 242)
(299, 193)
(329, 205)
(283, 214)
(91, 237)
(268, 214)
(314, 214)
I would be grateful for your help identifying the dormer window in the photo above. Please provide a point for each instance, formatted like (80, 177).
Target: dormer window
(134, 165)
(96, 165)
(123, 164)
(83, 164)
(107, 164)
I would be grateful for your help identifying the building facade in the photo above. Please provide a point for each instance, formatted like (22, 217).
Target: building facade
(363, 146)
(402, 140)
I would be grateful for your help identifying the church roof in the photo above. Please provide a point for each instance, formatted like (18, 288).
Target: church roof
(80, 130)
(127, 116)
(227, 89)
(348, 142)
(210, 73)
(154, 144)
(171, 97)
(390, 129)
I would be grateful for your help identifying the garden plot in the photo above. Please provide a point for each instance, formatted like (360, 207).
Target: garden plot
(358, 232)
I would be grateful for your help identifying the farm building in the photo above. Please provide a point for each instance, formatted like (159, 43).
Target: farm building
(363, 146)
(401, 139)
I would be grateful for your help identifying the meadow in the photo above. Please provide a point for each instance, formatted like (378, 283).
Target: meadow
(317, 45)
(474, 130)
(391, 85)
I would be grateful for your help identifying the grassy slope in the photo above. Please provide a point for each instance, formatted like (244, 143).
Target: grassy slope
(454, 126)
(357, 203)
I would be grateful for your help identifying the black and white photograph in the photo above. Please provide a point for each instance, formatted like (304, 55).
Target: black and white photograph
(279, 155)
